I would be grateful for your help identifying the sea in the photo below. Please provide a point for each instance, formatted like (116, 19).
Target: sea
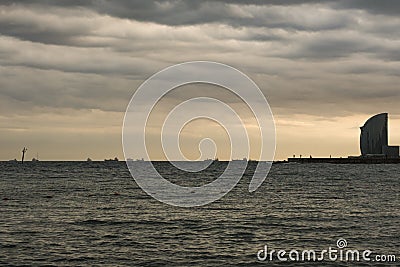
(94, 214)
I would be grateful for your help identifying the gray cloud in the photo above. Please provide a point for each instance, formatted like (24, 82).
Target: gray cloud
(178, 12)
(386, 7)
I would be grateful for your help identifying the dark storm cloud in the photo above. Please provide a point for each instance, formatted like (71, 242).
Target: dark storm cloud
(120, 40)
(51, 29)
(179, 12)
(385, 7)
(330, 47)
(30, 89)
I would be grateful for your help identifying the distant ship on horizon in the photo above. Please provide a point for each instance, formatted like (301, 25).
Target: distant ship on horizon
(114, 159)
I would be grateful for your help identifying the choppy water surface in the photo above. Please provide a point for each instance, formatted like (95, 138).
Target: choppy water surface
(93, 213)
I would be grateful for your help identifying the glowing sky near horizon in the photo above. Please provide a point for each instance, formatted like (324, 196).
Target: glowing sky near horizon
(69, 68)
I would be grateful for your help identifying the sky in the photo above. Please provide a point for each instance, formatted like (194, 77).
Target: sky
(69, 68)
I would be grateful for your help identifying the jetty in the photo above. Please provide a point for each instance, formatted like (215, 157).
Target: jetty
(374, 146)
(349, 160)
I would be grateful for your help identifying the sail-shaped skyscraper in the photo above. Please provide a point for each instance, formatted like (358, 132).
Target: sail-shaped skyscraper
(374, 138)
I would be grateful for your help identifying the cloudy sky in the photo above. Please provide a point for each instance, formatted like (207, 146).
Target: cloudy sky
(69, 68)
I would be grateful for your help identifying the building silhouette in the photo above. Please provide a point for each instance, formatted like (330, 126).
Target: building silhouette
(374, 138)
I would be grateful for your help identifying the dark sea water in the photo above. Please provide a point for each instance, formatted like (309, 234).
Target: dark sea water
(94, 214)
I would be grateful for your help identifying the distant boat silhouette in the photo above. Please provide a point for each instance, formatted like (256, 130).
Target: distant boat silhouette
(240, 160)
(115, 159)
(211, 160)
